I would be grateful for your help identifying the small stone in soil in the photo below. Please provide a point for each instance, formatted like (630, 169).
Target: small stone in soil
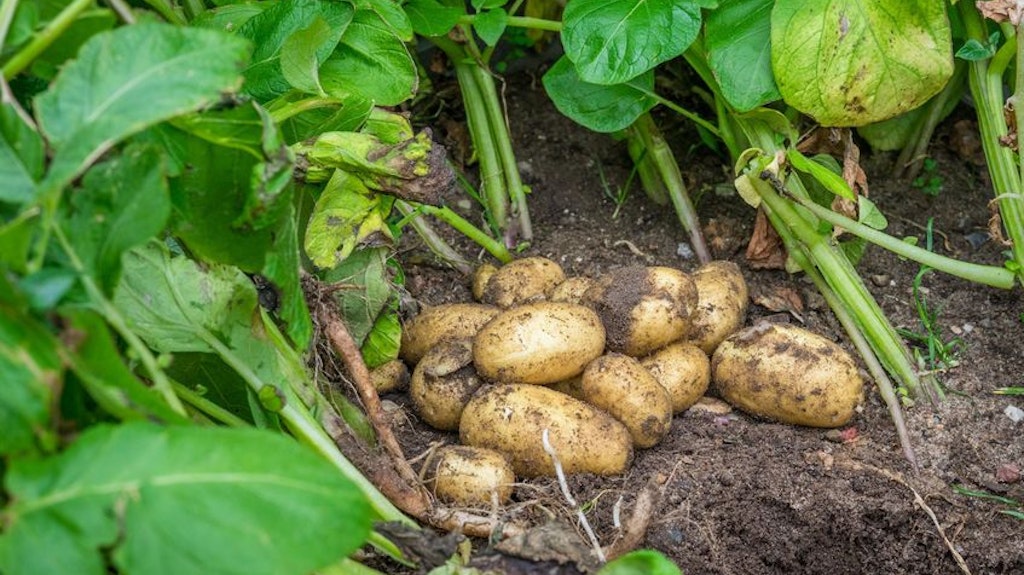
(1008, 473)
(684, 251)
(1015, 413)
(881, 280)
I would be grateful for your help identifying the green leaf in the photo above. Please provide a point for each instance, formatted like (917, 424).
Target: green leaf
(128, 79)
(16, 240)
(737, 39)
(854, 62)
(87, 25)
(384, 341)
(973, 50)
(304, 51)
(612, 41)
(122, 203)
(832, 181)
(598, 107)
(490, 25)
(21, 157)
(371, 62)
(869, 214)
(239, 127)
(96, 361)
(210, 377)
(642, 562)
(230, 17)
(391, 14)
(481, 5)
(895, 133)
(431, 18)
(282, 269)
(362, 306)
(271, 29)
(180, 501)
(31, 372)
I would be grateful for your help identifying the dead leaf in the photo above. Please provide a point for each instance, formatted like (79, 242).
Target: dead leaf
(765, 250)
(853, 173)
(781, 299)
(1001, 10)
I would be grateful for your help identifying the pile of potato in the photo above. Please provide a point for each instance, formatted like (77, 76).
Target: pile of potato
(602, 365)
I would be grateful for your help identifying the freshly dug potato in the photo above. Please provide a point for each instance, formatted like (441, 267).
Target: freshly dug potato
(722, 304)
(481, 276)
(621, 386)
(440, 323)
(573, 387)
(787, 374)
(512, 418)
(572, 289)
(683, 369)
(392, 376)
(521, 281)
(470, 476)
(643, 308)
(541, 343)
(443, 382)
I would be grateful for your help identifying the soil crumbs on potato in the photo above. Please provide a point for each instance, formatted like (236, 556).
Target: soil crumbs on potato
(751, 497)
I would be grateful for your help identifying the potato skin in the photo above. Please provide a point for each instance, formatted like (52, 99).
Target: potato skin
(481, 276)
(443, 382)
(788, 374)
(683, 369)
(538, 343)
(523, 280)
(447, 322)
(643, 308)
(723, 298)
(470, 476)
(621, 386)
(392, 376)
(572, 289)
(511, 418)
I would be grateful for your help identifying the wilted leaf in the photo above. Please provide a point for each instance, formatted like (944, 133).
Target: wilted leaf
(854, 62)
(345, 214)
(600, 108)
(180, 501)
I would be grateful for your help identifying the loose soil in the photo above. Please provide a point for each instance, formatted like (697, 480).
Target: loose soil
(744, 496)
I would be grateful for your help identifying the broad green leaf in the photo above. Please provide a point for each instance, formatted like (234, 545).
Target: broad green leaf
(490, 25)
(366, 270)
(642, 562)
(128, 79)
(854, 62)
(384, 340)
(371, 62)
(44, 289)
(230, 17)
(612, 41)
(895, 133)
(832, 181)
(432, 18)
(600, 108)
(31, 374)
(282, 271)
(269, 30)
(347, 116)
(207, 375)
(96, 361)
(346, 213)
(122, 203)
(21, 158)
(391, 14)
(180, 501)
(301, 55)
(737, 39)
(238, 127)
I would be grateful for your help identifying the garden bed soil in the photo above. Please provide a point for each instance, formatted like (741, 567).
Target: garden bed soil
(745, 496)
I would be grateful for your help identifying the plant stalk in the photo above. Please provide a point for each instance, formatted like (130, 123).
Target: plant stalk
(446, 215)
(208, 407)
(434, 242)
(45, 38)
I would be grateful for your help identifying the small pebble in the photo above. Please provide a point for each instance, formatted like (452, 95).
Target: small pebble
(1008, 473)
(881, 280)
(1015, 413)
(684, 251)
(977, 239)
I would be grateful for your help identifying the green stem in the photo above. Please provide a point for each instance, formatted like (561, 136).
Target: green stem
(521, 22)
(668, 170)
(434, 242)
(45, 38)
(194, 8)
(711, 128)
(208, 407)
(446, 215)
(989, 275)
(161, 383)
(911, 158)
(170, 12)
(292, 109)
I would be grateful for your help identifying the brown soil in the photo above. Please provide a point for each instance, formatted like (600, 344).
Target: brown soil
(745, 496)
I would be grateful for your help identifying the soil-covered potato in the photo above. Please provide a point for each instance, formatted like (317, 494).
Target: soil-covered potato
(573, 387)
(443, 382)
(683, 369)
(788, 374)
(523, 280)
(572, 289)
(481, 276)
(512, 418)
(722, 304)
(643, 308)
(448, 322)
(470, 476)
(540, 343)
(392, 376)
(620, 385)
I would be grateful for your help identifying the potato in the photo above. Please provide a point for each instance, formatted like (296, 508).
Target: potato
(512, 418)
(787, 374)
(722, 304)
(521, 281)
(573, 387)
(572, 289)
(643, 308)
(621, 386)
(683, 369)
(440, 323)
(470, 476)
(392, 376)
(443, 382)
(481, 276)
(541, 343)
